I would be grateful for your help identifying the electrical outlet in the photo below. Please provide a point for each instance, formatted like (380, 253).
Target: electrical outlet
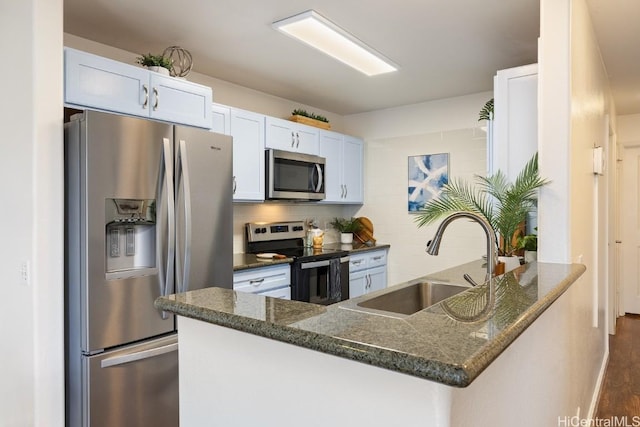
(25, 274)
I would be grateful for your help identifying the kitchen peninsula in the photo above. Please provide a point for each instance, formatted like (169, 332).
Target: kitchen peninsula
(252, 360)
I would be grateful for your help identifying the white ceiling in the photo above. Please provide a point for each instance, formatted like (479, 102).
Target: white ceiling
(444, 48)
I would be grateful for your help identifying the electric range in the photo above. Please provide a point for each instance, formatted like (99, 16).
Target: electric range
(318, 275)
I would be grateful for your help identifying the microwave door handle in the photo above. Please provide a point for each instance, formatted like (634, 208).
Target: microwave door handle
(186, 189)
(319, 173)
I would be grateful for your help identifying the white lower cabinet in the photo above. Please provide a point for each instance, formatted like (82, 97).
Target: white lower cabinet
(367, 272)
(273, 281)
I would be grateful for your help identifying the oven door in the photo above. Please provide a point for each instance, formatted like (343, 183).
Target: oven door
(294, 176)
(321, 282)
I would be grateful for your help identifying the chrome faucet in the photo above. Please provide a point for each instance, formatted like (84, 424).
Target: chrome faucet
(433, 245)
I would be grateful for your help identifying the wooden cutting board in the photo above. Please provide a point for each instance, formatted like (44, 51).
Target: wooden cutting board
(365, 234)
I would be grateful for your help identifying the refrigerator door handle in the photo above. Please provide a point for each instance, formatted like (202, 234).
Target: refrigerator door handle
(138, 355)
(167, 275)
(186, 189)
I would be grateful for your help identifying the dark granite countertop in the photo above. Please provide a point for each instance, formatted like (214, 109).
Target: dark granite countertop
(247, 261)
(451, 342)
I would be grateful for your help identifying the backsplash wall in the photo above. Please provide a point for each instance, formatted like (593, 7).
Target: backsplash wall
(275, 212)
(386, 200)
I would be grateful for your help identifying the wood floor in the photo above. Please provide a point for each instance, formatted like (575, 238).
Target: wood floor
(620, 394)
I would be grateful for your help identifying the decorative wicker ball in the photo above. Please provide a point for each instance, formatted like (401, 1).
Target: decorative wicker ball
(182, 60)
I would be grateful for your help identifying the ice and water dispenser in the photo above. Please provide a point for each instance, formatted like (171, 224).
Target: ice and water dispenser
(130, 236)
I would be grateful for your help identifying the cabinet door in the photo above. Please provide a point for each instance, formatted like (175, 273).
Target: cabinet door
(280, 134)
(331, 149)
(307, 139)
(358, 282)
(247, 129)
(96, 82)
(179, 101)
(377, 278)
(289, 136)
(352, 159)
(516, 113)
(221, 119)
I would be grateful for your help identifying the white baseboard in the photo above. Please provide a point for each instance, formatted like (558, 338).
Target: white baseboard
(598, 388)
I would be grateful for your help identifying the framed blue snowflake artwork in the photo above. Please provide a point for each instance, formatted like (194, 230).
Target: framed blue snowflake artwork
(427, 175)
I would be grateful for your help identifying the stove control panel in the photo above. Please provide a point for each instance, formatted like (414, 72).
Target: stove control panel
(263, 231)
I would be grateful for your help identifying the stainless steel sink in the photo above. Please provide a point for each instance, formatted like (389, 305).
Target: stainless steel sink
(413, 298)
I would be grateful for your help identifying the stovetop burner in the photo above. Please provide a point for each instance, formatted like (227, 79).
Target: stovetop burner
(286, 238)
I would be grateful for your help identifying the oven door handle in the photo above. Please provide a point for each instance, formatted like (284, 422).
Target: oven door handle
(316, 264)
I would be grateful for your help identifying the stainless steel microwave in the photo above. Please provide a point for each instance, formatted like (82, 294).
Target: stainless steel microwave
(294, 176)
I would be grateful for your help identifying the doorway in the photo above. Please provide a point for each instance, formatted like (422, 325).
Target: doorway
(630, 229)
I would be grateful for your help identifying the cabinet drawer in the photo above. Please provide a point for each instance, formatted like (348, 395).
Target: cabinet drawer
(264, 279)
(357, 262)
(377, 258)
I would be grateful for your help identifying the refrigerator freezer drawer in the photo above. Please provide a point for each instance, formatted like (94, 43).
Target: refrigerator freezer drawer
(133, 386)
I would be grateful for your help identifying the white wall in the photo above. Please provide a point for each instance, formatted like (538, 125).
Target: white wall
(32, 387)
(628, 129)
(391, 136)
(574, 102)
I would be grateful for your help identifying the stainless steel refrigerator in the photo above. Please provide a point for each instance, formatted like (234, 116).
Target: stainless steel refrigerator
(148, 213)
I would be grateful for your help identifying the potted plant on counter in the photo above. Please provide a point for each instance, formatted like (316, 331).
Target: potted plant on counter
(346, 227)
(503, 204)
(158, 63)
(530, 245)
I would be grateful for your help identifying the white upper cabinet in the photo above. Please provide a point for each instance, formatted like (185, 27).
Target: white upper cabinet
(343, 169)
(221, 119)
(352, 170)
(247, 130)
(95, 82)
(515, 123)
(290, 136)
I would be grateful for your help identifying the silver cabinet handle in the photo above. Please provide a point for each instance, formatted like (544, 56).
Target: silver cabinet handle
(293, 139)
(145, 104)
(140, 355)
(297, 140)
(155, 93)
(346, 191)
(356, 261)
(235, 185)
(376, 258)
(256, 282)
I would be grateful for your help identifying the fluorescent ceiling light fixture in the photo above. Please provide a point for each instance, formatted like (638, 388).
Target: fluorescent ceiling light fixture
(317, 31)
